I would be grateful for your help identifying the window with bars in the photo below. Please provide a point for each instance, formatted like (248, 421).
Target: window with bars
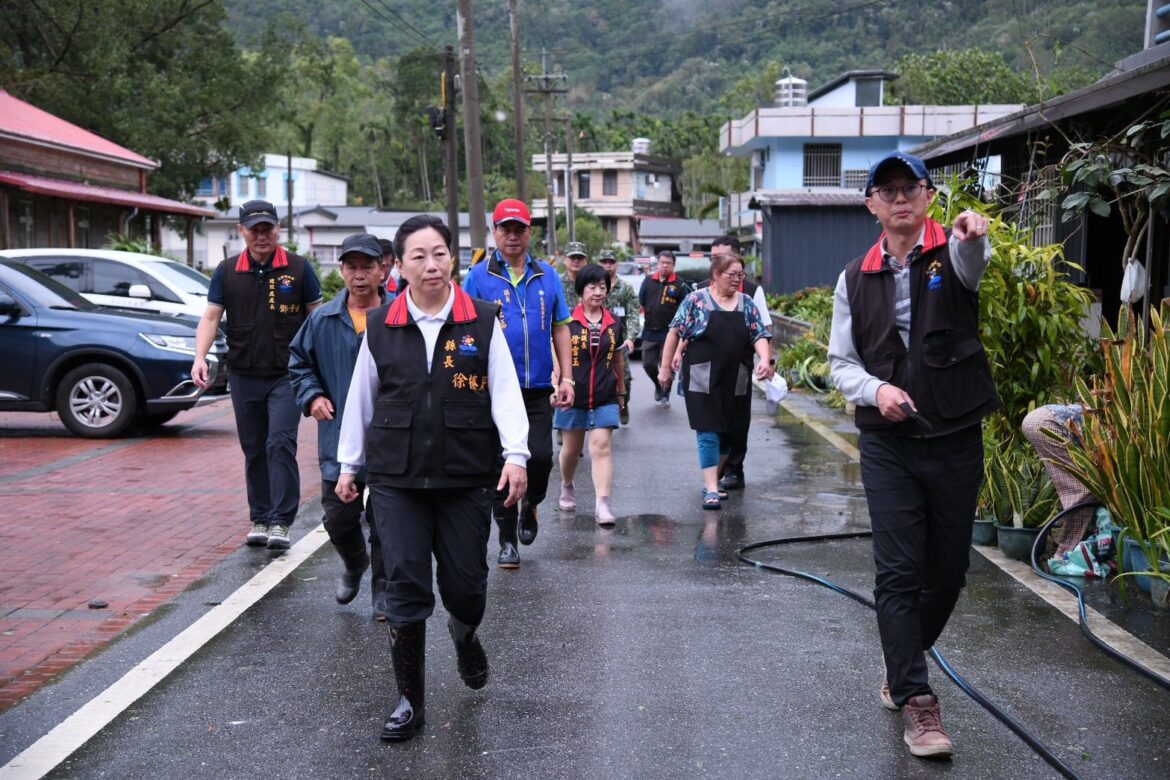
(583, 185)
(609, 183)
(822, 165)
(855, 179)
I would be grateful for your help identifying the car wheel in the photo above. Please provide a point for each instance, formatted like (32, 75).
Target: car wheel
(96, 401)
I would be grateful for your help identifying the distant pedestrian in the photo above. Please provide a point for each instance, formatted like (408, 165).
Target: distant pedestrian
(721, 328)
(660, 296)
(322, 358)
(597, 358)
(535, 320)
(905, 349)
(266, 293)
(622, 303)
(390, 262)
(576, 258)
(731, 476)
(433, 402)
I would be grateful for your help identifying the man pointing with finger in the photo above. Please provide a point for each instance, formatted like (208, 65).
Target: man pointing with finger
(905, 349)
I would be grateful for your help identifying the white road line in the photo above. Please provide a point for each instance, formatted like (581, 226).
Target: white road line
(46, 753)
(1057, 597)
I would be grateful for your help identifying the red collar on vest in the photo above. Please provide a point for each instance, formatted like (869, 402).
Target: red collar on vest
(463, 310)
(673, 278)
(279, 260)
(606, 318)
(934, 236)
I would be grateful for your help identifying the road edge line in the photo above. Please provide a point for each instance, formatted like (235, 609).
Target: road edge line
(44, 755)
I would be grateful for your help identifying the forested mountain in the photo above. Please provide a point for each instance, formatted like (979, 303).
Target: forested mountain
(672, 56)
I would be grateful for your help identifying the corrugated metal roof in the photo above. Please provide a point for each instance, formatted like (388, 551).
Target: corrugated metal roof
(672, 227)
(26, 121)
(72, 190)
(806, 198)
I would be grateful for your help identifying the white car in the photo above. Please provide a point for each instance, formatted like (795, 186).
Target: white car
(632, 274)
(125, 280)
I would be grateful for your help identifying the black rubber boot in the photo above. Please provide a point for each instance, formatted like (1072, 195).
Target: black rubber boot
(356, 559)
(408, 645)
(472, 660)
(528, 523)
(509, 555)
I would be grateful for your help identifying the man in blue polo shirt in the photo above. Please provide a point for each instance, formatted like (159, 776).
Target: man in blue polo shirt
(534, 318)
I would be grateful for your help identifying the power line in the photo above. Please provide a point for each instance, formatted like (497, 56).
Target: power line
(420, 37)
(409, 26)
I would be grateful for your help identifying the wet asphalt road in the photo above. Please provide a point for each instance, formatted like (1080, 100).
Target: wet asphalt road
(647, 651)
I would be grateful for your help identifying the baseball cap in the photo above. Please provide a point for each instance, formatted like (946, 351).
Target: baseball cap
(361, 243)
(916, 167)
(510, 210)
(576, 248)
(254, 212)
(606, 254)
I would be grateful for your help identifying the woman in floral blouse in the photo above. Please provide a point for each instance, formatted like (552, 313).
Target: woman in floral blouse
(721, 328)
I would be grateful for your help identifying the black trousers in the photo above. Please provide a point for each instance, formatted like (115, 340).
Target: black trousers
(651, 361)
(740, 426)
(540, 448)
(343, 522)
(922, 495)
(267, 419)
(450, 525)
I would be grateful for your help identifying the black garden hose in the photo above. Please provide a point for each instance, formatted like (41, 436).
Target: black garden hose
(1076, 590)
(947, 669)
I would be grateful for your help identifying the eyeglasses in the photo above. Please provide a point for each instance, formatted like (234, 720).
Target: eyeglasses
(735, 275)
(889, 193)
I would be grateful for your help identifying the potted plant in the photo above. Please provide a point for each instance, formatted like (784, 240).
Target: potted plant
(1022, 499)
(1124, 458)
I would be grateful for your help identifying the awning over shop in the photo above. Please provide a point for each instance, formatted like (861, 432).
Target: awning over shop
(71, 190)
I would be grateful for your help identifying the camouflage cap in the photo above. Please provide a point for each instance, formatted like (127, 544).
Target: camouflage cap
(576, 248)
(606, 254)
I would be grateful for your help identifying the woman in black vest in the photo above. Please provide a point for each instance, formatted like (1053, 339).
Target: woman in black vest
(596, 337)
(721, 328)
(434, 399)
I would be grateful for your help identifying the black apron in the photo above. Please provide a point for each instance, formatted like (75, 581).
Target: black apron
(716, 371)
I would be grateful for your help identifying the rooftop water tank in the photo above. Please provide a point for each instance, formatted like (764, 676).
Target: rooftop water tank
(641, 146)
(791, 91)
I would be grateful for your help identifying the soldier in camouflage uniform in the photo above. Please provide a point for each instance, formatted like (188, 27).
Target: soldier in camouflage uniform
(622, 303)
(575, 259)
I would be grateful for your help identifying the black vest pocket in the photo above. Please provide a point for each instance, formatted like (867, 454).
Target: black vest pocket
(388, 440)
(956, 372)
(240, 352)
(472, 445)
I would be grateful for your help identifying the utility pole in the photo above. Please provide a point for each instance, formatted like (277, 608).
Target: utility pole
(451, 149)
(570, 223)
(292, 235)
(546, 88)
(518, 105)
(473, 151)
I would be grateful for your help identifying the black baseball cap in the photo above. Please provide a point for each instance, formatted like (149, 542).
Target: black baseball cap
(361, 243)
(254, 212)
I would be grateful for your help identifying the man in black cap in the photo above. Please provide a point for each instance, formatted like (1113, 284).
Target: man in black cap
(905, 349)
(266, 294)
(323, 355)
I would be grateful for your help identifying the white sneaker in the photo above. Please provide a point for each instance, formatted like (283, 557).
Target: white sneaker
(277, 537)
(258, 536)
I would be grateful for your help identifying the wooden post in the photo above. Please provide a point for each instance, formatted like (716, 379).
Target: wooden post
(71, 236)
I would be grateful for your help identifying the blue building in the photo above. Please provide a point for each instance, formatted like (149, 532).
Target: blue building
(811, 152)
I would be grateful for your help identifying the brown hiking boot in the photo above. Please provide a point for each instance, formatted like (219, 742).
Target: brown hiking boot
(924, 730)
(887, 699)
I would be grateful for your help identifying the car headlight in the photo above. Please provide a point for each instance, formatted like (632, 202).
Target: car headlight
(182, 344)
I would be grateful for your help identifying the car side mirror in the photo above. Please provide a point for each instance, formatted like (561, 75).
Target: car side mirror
(8, 306)
(139, 291)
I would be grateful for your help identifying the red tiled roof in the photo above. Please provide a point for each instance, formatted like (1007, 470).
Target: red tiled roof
(23, 119)
(72, 190)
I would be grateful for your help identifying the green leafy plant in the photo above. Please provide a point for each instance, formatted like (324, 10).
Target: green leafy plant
(1124, 458)
(1031, 324)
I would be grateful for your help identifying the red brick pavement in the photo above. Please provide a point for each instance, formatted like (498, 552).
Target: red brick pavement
(132, 522)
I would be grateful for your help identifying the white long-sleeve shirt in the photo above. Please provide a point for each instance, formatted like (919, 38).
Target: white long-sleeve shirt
(503, 386)
(969, 260)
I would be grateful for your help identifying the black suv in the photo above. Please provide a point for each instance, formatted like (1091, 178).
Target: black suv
(102, 370)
